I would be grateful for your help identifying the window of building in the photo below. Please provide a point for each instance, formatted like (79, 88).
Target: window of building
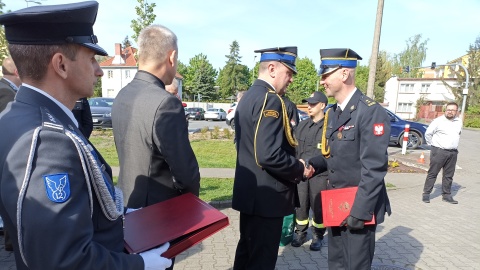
(424, 88)
(110, 74)
(406, 88)
(404, 107)
(127, 73)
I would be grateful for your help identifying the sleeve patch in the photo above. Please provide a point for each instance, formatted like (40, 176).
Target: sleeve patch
(378, 129)
(57, 187)
(270, 113)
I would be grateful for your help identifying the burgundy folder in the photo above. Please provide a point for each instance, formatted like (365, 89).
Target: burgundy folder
(337, 204)
(184, 221)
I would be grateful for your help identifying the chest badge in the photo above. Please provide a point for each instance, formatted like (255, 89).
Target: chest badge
(378, 129)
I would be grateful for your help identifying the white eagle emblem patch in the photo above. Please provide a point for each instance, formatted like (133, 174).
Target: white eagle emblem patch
(57, 187)
(378, 129)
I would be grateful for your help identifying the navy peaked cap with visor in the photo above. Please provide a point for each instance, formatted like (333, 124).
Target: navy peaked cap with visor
(333, 59)
(53, 25)
(284, 55)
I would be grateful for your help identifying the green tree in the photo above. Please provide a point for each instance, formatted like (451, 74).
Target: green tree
(3, 41)
(200, 78)
(233, 77)
(254, 73)
(126, 43)
(473, 67)
(146, 16)
(413, 56)
(361, 78)
(304, 82)
(383, 73)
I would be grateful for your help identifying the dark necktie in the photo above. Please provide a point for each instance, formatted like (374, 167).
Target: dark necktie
(338, 112)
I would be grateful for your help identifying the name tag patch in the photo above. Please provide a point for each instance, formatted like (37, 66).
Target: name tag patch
(271, 113)
(57, 187)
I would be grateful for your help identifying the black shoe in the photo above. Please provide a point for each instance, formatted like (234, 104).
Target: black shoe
(316, 244)
(450, 200)
(426, 198)
(299, 239)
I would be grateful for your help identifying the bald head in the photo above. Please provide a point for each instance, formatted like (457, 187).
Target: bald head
(10, 72)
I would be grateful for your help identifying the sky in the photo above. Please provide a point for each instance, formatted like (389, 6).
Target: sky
(210, 26)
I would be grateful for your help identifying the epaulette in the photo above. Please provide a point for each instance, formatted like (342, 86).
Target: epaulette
(368, 101)
(50, 122)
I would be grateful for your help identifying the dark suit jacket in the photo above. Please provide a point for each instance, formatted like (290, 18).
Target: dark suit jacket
(7, 94)
(53, 234)
(83, 115)
(358, 143)
(268, 190)
(156, 160)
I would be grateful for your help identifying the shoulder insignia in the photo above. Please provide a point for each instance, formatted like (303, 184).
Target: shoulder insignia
(270, 113)
(57, 187)
(368, 101)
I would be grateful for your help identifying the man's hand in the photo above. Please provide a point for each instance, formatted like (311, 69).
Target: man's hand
(308, 171)
(353, 223)
(153, 260)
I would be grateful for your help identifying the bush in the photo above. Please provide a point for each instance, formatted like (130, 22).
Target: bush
(472, 120)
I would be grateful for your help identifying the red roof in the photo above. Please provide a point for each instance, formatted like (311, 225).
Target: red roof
(127, 56)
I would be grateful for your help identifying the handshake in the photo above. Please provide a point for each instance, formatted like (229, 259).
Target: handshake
(308, 170)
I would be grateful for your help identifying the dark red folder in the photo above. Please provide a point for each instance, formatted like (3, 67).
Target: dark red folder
(336, 205)
(184, 221)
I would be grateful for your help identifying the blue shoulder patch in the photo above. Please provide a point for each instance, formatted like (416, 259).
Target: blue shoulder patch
(57, 187)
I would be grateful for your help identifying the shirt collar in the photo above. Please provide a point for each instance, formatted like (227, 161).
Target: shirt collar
(273, 88)
(345, 102)
(14, 86)
(63, 107)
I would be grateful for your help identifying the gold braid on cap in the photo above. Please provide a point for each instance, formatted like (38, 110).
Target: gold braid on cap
(324, 143)
(286, 124)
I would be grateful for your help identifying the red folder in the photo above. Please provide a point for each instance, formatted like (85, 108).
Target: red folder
(184, 221)
(337, 204)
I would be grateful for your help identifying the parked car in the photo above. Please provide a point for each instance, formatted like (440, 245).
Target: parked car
(302, 115)
(196, 113)
(215, 114)
(231, 115)
(416, 136)
(101, 109)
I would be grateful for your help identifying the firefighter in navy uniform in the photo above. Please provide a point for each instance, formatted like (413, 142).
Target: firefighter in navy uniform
(309, 134)
(354, 144)
(267, 171)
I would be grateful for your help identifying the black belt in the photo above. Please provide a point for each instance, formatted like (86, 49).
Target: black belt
(449, 150)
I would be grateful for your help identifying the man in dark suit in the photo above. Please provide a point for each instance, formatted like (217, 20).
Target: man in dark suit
(57, 193)
(355, 147)
(267, 171)
(83, 115)
(157, 162)
(9, 83)
(8, 87)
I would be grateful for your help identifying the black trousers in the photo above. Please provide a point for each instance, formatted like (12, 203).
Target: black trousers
(352, 250)
(309, 196)
(441, 159)
(258, 244)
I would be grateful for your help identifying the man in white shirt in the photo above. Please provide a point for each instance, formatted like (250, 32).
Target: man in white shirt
(443, 134)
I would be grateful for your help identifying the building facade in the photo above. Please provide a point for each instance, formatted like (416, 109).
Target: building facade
(120, 69)
(418, 98)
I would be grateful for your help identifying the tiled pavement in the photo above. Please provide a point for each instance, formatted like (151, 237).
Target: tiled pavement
(437, 235)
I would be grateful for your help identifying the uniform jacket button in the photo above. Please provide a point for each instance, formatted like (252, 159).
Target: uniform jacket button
(333, 186)
(332, 171)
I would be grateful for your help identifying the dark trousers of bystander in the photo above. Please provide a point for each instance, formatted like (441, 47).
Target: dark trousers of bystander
(441, 159)
(259, 242)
